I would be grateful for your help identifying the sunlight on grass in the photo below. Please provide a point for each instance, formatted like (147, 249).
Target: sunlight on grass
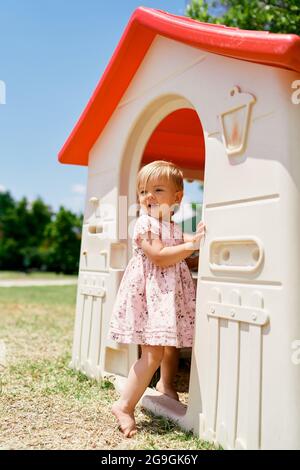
(47, 405)
(39, 295)
(54, 377)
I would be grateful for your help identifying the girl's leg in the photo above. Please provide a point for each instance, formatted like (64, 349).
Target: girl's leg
(138, 380)
(168, 370)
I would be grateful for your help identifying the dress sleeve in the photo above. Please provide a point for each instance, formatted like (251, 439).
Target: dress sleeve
(143, 226)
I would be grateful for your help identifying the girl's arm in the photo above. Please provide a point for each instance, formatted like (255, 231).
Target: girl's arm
(188, 237)
(165, 256)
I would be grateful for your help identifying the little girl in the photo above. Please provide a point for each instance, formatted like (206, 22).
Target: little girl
(155, 305)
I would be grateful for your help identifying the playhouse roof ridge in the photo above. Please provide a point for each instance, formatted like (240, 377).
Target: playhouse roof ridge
(278, 50)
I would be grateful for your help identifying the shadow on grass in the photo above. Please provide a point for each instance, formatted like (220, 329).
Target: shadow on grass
(154, 426)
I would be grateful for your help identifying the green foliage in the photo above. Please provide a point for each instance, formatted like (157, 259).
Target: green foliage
(6, 203)
(33, 237)
(277, 16)
(62, 242)
(199, 10)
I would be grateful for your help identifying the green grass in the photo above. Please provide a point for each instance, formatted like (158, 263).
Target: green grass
(47, 377)
(39, 295)
(47, 405)
(18, 275)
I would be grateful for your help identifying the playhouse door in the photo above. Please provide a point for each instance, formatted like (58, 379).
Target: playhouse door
(231, 315)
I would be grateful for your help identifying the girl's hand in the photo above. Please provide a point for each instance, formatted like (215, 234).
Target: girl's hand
(201, 227)
(194, 244)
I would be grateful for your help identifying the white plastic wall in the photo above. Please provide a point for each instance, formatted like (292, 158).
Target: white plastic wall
(245, 388)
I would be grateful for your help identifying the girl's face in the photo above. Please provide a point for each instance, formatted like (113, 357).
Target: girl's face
(158, 197)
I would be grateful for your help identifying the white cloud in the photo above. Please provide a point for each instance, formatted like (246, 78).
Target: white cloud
(2, 188)
(78, 189)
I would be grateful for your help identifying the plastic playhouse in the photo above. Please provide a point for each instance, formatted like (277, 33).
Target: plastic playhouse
(217, 101)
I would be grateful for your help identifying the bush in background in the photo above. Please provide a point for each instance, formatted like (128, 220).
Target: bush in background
(33, 237)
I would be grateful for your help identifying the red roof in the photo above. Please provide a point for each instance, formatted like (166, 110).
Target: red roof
(278, 50)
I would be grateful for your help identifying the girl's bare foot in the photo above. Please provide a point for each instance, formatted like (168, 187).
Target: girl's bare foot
(126, 420)
(167, 390)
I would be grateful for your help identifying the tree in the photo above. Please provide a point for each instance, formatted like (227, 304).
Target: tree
(61, 246)
(33, 237)
(6, 202)
(277, 16)
(39, 216)
(13, 234)
(22, 227)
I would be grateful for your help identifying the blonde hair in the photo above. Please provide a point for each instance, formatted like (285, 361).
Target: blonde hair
(160, 169)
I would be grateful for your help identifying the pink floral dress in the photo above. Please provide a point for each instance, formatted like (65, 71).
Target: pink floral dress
(154, 305)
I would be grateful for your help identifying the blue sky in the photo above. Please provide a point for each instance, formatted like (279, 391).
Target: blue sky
(52, 55)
